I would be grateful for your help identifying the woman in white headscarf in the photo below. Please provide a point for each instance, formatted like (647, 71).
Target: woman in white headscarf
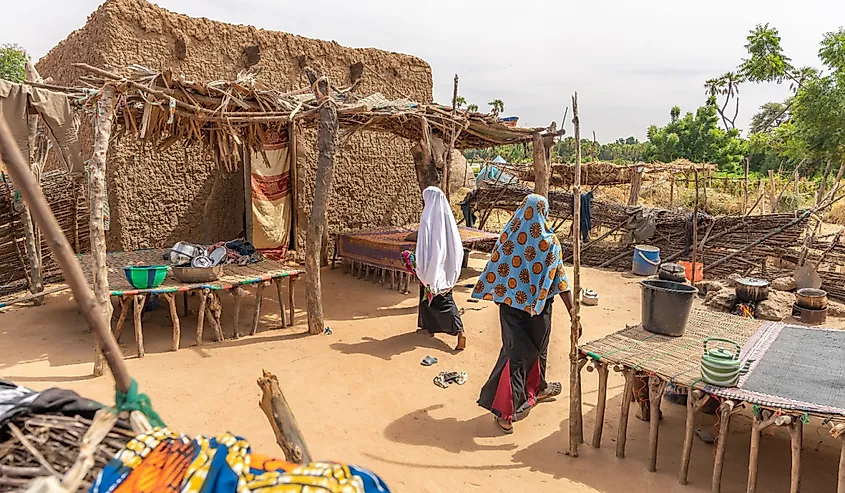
(438, 257)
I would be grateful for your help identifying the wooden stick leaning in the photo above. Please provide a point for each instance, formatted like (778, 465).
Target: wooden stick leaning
(288, 435)
(64, 255)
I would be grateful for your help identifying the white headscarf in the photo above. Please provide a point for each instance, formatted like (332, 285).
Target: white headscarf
(439, 250)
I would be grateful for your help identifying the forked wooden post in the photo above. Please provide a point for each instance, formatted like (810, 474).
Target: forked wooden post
(139, 300)
(576, 432)
(796, 440)
(726, 411)
(762, 420)
(601, 403)
(201, 314)
(278, 282)
(292, 295)
(696, 399)
(239, 293)
(838, 431)
(324, 181)
(97, 173)
(636, 185)
(125, 306)
(259, 296)
(541, 167)
(174, 319)
(622, 432)
(275, 407)
(656, 386)
(17, 167)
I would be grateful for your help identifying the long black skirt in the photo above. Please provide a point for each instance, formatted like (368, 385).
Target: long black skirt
(442, 316)
(520, 372)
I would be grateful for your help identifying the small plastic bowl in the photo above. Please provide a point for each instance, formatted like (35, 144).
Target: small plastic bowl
(145, 276)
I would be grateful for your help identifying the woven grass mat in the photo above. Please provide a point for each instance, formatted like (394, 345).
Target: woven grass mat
(676, 359)
(233, 275)
(795, 368)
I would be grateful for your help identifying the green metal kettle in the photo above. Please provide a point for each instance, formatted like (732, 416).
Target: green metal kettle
(720, 366)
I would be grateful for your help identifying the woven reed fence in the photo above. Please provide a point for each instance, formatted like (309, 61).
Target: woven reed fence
(732, 244)
(68, 201)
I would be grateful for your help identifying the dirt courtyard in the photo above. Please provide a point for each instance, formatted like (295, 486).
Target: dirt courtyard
(361, 396)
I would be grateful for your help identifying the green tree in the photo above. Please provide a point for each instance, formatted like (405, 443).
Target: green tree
(697, 137)
(473, 108)
(460, 101)
(13, 60)
(496, 107)
(812, 122)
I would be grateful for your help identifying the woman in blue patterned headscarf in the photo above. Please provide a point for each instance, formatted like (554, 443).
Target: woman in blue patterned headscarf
(524, 274)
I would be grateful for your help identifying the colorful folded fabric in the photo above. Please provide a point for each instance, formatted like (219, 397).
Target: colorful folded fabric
(164, 461)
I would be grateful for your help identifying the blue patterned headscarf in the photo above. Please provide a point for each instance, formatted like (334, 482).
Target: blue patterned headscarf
(526, 267)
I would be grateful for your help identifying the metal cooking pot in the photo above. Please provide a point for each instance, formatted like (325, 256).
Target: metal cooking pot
(183, 252)
(672, 272)
(750, 289)
(814, 299)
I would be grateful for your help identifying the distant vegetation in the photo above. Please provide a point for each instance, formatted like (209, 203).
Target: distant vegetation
(13, 60)
(807, 129)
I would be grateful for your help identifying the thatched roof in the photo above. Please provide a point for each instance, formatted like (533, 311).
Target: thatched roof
(222, 116)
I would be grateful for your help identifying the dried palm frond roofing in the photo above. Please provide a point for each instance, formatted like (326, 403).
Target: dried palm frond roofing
(222, 116)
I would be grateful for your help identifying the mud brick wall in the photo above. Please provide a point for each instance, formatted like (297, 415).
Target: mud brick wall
(158, 198)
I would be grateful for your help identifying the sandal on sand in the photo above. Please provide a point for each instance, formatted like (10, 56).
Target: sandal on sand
(462, 343)
(553, 389)
(506, 430)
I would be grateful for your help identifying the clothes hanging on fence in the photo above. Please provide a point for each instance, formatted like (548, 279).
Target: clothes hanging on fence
(466, 209)
(586, 222)
(16, 401)
(162, 460)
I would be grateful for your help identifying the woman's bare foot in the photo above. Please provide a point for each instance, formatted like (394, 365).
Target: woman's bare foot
(462, 343)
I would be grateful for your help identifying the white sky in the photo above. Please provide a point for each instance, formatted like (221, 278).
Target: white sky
(629, 61)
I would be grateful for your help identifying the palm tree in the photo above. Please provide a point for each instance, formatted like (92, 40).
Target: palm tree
(497, 107)
(473, 108)
(460, 101)
(714, 87)
(732, 81)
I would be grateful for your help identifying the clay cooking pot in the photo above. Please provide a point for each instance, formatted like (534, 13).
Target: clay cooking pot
(749, 289)
(814, 299)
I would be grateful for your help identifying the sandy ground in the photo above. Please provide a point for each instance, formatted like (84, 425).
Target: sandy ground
(361, 395)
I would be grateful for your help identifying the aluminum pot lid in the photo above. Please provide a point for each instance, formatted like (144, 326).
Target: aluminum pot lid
(753, 282)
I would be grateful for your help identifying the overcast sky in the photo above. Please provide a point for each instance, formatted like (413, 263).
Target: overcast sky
(629, 61)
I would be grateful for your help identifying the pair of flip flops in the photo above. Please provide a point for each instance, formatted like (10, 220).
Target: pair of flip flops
(446, 378)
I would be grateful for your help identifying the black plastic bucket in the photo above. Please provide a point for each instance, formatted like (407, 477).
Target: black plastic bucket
(666, 306)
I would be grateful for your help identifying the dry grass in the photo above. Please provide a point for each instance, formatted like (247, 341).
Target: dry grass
(836, 214)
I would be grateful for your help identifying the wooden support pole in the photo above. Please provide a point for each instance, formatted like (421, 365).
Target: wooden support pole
(840, 483)
(256, 316)
(278, 412)
(601, 403)
(292, 296)
(541, 167)
(656, 386)
(238, 293)
(575, 412)
(185, 309)
(100, 325)
(125, 306)
(772, 197)
(694, 273)
(139, 300)
(324, 181)
(672, 191)
(622, 432)
(636, 185)
(796, 440)
(174, 319)
(97, 173)
(215, 311)
(201, 315)
(696, 399)
(278, 283)
(725, 410)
